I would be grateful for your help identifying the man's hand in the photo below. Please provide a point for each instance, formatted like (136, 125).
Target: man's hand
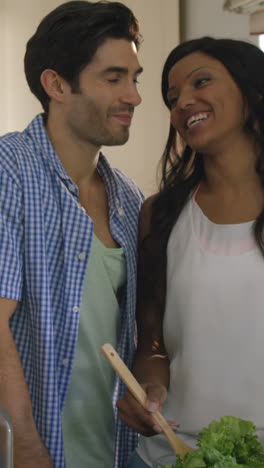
(34, 457)
(29, 450)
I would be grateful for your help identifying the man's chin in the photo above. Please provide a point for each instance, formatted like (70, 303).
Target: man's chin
(117, 140)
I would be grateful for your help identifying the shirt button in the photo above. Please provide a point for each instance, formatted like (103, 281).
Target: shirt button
(72, 188)
(65, 362)
(81, 256)
(75, 309)
(120, 211)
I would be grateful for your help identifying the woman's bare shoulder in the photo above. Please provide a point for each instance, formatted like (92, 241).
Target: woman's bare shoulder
(147, 204)
(145, 216)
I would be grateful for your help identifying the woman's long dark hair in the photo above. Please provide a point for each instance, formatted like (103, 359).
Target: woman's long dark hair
(181, 173)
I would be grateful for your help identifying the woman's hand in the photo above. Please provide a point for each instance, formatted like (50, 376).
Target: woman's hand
(138, 418)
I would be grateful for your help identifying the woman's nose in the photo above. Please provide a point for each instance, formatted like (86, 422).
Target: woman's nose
(186, 99)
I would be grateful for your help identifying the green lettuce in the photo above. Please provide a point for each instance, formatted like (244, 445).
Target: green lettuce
(228, 443)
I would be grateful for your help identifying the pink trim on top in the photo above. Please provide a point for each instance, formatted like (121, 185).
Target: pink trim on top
(196, 191)
(222, 248)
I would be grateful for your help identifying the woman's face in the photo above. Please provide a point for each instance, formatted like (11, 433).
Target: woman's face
(207, 107)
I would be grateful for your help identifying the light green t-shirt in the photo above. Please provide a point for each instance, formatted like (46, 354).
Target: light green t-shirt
(88, 417)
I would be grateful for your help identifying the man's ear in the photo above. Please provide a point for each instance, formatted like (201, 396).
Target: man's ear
(53, 84)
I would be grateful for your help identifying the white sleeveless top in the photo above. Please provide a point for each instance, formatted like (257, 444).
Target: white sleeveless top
(213, 327)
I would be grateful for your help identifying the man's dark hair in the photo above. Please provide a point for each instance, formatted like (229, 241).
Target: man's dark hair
(67, 39)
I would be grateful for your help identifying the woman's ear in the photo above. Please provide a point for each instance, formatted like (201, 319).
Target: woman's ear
(54, 85)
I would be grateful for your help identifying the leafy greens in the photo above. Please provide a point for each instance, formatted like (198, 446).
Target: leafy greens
(228, 443)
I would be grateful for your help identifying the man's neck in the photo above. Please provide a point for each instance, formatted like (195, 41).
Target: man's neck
(79, 158)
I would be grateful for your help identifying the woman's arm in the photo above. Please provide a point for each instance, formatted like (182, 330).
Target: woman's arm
(151, 364)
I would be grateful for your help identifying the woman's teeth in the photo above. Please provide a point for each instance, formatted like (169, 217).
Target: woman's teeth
(194, 119)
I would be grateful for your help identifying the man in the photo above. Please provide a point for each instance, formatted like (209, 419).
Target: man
(68, 235)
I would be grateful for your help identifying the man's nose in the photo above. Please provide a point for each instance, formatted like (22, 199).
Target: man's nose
(131, 95)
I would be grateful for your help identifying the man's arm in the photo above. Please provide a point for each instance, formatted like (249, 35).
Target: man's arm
(29, 450)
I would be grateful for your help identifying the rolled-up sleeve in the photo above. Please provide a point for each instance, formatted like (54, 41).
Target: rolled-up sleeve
(11, 238)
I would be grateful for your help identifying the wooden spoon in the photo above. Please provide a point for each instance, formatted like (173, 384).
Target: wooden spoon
(178, 446)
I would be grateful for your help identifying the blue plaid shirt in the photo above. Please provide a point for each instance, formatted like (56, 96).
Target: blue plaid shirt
(45, 241)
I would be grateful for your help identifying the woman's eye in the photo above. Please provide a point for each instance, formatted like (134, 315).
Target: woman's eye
(202, 81)
(172, 101)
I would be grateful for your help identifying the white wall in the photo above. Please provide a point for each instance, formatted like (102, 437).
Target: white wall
(160, 27)
(159, 24)
(3, 49)
(207, 17)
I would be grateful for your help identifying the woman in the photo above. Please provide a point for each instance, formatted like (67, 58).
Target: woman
(200, 351)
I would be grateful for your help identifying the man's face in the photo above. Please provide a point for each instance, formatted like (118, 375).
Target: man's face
(101, 112)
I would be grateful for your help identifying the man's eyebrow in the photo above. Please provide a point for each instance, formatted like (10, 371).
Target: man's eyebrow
(122, 70)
